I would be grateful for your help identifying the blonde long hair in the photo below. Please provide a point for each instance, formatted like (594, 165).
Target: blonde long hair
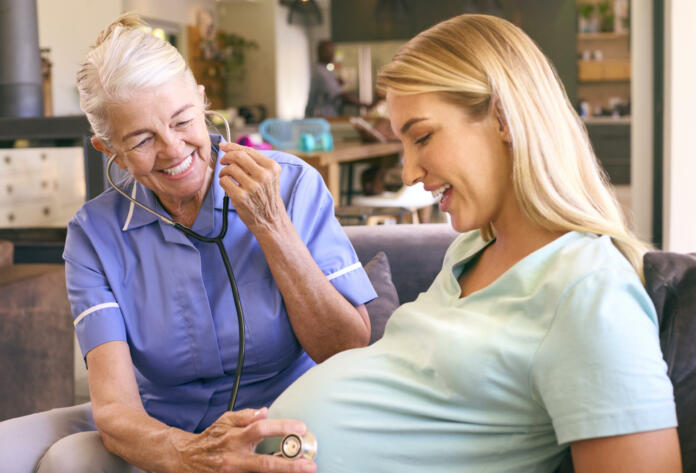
(126, 59)
(472, 60)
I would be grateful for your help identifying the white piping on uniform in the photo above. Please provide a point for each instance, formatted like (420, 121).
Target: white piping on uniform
(130, 209)
(343, 271)
(94, 308)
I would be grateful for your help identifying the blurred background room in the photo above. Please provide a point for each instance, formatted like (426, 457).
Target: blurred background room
(625, 65)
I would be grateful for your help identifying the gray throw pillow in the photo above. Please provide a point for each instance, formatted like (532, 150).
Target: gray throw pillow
(670, 279)
(381, 308)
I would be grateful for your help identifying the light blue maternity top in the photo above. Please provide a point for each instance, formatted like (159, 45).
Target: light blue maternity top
(563, 346)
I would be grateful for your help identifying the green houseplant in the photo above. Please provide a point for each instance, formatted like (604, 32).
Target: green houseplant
(606, 16)
(233, 51)
(586, 18)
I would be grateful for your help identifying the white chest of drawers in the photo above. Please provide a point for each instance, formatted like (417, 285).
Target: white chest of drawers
(40, 187)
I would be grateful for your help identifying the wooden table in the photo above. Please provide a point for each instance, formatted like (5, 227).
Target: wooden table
(328, 163)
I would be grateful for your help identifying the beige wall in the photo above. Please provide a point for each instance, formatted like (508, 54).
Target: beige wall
(254, 21)
(278, 72)
(642, 116)
(69, 27)
(182, 12)
(679, 206)
(293, 66)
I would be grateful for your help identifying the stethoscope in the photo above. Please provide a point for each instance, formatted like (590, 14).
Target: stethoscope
(218, 241)
(292, 446)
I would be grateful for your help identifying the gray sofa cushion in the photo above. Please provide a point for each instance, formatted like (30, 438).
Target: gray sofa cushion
(415, 252)
(381, 308)
(671, 282)
(670, 279)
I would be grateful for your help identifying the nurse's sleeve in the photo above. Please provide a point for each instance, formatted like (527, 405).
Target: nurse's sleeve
(599, 371)
(96, 314)
(311, 209)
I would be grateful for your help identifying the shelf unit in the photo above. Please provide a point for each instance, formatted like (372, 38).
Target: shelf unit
(601, 36)
(604, 81)
(607, 70)
(606, 77)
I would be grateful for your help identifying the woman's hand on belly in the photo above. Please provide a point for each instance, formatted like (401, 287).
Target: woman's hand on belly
(227, 446)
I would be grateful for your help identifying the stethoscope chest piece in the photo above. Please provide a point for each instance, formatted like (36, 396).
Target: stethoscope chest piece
(293, 446)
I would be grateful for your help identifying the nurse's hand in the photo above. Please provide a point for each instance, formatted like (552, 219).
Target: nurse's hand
(252, 182)
(227, 446)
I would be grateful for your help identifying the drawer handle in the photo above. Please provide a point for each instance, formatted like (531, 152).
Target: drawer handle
(8, 159)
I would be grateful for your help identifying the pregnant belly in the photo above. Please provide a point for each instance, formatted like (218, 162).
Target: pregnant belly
(369, 412)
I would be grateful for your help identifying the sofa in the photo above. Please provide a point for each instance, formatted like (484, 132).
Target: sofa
(401, 260)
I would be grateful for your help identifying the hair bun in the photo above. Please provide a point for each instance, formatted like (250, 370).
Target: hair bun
(128, 20)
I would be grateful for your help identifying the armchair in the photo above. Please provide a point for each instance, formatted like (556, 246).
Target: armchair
(36, 339)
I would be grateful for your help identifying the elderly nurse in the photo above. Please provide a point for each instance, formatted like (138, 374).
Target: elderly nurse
(154, 313)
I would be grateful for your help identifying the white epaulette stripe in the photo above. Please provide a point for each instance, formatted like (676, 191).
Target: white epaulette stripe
(343, 271)
(94, 308)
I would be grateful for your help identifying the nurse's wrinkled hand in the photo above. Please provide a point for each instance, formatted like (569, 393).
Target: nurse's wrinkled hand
(227, 446)
(252, 182)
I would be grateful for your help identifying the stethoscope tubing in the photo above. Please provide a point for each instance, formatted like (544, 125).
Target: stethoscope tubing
(235, 292)
(223, 254)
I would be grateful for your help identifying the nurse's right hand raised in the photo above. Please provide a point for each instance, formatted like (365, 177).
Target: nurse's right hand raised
(227, 446)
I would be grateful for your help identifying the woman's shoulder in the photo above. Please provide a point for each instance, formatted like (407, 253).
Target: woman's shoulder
(594, 290)
(566, 262)
(590, 270)
(102, 211)
(587, 253)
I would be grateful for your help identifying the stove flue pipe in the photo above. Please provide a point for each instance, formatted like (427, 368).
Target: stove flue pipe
(20, 60)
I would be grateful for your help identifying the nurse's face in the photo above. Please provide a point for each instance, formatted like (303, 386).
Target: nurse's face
(160, 138)
(467, 162)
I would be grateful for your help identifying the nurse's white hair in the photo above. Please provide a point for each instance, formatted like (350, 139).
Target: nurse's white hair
(125, 60)
(480, 61)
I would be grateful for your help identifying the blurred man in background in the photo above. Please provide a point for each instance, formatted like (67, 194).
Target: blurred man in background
(326, 95)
